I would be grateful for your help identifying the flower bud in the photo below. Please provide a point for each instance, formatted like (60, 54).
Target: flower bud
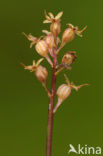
(65, 90)
(50, 41)
(69, 33)
(31, 38)
(69, 58)
(55, 22)
(62, 92)
(55, 28)
(42, 48)
(41, 73)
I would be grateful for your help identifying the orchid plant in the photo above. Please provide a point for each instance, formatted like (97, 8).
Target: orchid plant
(48, 46)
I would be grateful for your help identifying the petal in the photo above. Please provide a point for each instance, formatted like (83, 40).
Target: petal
(79, 33)
(32, 43)
(58, 40)
(30, 67)
(51, 15)
(70, 25)
(46, 32)
(39, 61)
(46, 21)
(46, 16)
(58, 16)
(30, 37)
(67, 80)
(33, 62)
(22, 64)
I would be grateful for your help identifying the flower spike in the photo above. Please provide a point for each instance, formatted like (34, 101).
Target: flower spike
(47, 47)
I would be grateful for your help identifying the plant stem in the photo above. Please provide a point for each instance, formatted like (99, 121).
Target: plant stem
(50, 110)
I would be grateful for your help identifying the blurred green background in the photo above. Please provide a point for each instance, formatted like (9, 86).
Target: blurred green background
(23, 100)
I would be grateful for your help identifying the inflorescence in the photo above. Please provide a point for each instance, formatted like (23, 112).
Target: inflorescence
(45, 46)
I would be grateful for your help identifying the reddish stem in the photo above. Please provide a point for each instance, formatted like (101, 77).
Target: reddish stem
(50, 110)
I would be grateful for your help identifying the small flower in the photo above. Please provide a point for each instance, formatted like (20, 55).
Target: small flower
(64, 91)
(41, 46)
(40, 72)
(69, 34)
(43, 50)
(51, 18)
(33, 66)
(30, 67)
(31, 38)
(69, 58)
(49, 39)
(55, 26)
